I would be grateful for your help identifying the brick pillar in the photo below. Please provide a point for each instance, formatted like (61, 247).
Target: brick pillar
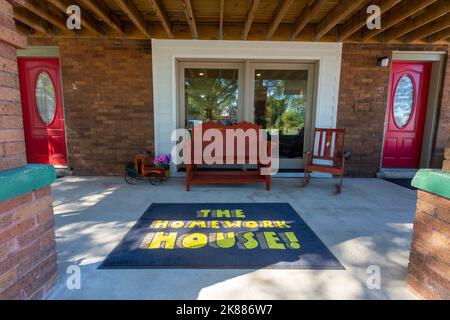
(429, 261)
(12, 145)
(27, 239)
(446, 166)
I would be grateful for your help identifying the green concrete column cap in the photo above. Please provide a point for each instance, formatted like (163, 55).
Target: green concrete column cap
(17, 181)
(433, 181)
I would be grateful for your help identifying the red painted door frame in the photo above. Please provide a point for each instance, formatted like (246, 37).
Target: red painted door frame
(45, 142)
(403, 143)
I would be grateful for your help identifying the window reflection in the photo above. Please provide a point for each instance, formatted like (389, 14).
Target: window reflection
(211, 95)
(45, 98)
(403, 101)
(280, 103)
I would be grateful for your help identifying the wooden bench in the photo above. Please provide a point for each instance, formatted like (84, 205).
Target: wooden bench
(218, 174)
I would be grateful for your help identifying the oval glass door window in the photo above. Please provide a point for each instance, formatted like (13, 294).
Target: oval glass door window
(45, 98)
(403, 101)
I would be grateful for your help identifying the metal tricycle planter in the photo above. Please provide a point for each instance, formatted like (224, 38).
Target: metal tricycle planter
(143, 168)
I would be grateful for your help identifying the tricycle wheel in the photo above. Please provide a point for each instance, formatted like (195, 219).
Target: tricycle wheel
(155, 180)
(130, 177)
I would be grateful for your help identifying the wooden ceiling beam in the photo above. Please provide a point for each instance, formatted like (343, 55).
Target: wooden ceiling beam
(360, 20)
(441, 35)
(307, 14)
(278, 16)
(250, 16)
(103, 13)
(23, 29)
(221, 13)
(134, 15)
(30, 20)
(434, 12)
(87, 20)
(44, 13)
(398, 14)
(190, 16)
(162, 16)
(429, 29)
(337, 15)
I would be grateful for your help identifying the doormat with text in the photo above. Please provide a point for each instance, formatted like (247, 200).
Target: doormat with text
(221, 236)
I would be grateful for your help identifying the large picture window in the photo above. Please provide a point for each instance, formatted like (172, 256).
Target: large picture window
(277, 96)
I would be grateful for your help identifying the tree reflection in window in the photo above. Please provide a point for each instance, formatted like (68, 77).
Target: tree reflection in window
(280, 103)
(45, 98)
(211, 95)
(403, 101)
(285, 110)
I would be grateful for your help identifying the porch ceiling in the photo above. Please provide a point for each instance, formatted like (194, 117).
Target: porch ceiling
(402, 21)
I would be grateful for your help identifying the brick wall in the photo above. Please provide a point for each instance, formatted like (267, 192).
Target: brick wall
(363, 99)
(12, 145)
(429, 262)
(109, 105)
(446, 165)
(27, 246)
(108, 102)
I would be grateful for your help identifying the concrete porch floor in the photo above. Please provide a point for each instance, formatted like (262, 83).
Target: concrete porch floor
(369, 224)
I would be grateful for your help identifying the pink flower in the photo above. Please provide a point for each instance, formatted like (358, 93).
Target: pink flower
(163, 160)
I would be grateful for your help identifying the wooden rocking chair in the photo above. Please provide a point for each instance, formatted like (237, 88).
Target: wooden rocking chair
(327, 154)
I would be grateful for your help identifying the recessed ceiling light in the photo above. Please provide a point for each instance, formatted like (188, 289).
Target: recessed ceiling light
(201, 74)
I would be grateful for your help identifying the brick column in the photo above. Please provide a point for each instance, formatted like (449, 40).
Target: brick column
(12, 145)
(446, 166)
(429, 262)
(27, 246)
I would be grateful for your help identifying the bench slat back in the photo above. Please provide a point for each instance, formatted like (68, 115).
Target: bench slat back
(246, 141)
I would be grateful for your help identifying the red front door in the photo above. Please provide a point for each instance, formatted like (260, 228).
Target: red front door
(40, 88)
(406, 114)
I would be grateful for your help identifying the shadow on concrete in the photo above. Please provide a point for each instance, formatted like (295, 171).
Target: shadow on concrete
(369, 224)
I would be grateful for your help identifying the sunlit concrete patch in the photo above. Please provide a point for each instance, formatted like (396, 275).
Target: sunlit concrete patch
(267, 285)
(370, 224)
